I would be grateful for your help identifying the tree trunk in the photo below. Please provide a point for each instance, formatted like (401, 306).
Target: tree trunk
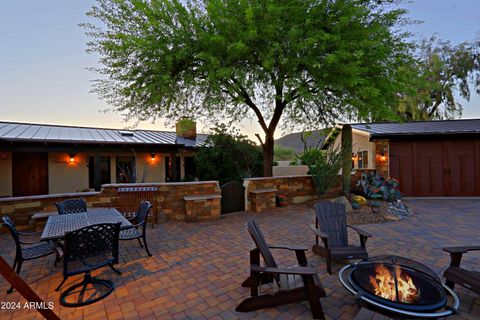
(267, 148)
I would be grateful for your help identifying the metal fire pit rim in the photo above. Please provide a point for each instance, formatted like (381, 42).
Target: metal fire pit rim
(450, 310)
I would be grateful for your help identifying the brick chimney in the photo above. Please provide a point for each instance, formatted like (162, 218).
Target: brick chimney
(186, 128)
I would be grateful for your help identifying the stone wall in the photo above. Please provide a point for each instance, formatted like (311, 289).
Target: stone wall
(170, 195)
(169, 200)
(21, 209)
(297, 189)
(382, 157)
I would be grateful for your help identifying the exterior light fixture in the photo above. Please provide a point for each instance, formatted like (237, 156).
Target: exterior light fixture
(152, 157)
(383, 157)
(72, 158)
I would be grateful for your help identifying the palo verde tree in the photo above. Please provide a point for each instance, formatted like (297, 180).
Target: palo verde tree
(310, 62)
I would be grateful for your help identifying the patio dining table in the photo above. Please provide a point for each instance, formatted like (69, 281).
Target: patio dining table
(57, 225)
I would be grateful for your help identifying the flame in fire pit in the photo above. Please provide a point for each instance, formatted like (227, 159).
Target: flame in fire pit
(384, 285)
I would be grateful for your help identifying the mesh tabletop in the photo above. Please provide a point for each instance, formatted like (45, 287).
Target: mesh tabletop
(58, 225)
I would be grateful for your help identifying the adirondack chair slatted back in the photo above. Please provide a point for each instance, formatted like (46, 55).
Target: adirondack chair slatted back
(257, 236)
(331, 218)
(129, 199)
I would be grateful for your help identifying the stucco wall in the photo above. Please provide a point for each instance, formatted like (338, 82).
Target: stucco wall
(154, 168)
(5, 174)
(360, 143)
(66, 176)
(279, 171)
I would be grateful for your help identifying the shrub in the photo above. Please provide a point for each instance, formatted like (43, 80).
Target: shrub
(228, 156)
(323, 165)
(282, 153)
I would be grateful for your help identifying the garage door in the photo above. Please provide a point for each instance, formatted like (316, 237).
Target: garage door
(436, 168)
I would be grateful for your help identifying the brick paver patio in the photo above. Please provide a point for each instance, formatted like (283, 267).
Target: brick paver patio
(197, 268)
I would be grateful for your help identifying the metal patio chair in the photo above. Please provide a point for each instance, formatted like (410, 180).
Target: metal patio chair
(139, 229)
(28, 249)
(71, 206)
(88, 249)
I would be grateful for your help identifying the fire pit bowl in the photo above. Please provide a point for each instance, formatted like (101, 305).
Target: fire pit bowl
(399, 286)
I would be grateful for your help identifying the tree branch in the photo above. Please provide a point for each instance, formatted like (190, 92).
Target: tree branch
(251, 104)
(259, 138)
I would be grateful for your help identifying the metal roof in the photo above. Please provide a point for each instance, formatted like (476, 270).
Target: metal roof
(46, 133)
(441, 127)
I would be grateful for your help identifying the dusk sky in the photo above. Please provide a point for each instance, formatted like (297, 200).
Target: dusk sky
(43, 75)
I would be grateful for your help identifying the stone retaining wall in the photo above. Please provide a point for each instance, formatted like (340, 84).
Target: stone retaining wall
(297, 189)
(169, 200)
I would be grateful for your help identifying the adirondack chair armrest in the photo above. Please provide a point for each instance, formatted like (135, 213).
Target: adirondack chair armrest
(463, 249)
(360, 231)
(288, 247)
(319, 233)
(456, 253)
(306, 271)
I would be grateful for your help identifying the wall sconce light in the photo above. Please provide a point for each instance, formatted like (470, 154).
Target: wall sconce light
(383, 157)
(71, 157)
(353, 156)
(152, 157)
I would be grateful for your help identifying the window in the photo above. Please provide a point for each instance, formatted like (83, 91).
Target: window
(126, 170)
(169, 176)
(189, 168)
(104, 171)
(362, 159)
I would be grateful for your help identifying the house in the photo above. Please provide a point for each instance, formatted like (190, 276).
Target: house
(432, 158)
(46, 159)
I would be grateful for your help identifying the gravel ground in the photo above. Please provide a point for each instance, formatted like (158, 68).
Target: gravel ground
(365, 215)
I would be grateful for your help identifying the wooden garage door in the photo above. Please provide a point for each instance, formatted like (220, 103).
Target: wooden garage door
(436, 168)
(30, 173)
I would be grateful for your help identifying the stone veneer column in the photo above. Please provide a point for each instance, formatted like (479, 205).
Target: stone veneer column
(382, 165)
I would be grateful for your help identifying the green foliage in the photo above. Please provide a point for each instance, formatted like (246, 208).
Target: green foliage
(228, 156)
(442, 72)
(374, 186)
(310, 155)
(324, 166)
(311, 61)
(282, 153)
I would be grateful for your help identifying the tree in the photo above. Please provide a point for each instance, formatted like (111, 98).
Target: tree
(309, 61)
(228, 155)
(282, 153)
(442, 71)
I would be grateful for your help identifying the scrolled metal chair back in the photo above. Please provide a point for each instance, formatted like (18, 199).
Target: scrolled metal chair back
(13, 231)
(142, 212)
(92, 241)
(71, 206)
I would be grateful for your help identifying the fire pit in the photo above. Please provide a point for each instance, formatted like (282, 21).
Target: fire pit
(400, 286)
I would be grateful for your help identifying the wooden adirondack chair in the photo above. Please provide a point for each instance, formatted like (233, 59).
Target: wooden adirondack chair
(290, 285)
(331, 227)
(454, 274)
